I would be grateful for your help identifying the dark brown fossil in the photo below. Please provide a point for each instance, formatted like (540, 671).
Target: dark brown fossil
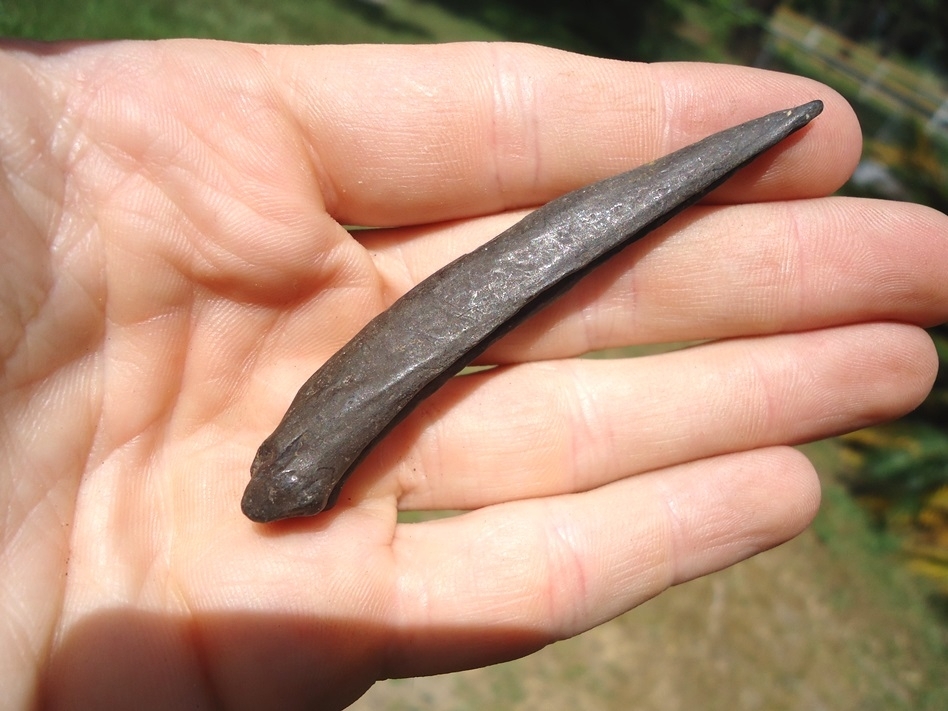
(410, 350)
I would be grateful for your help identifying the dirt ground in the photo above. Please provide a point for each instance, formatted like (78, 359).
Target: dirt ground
(826, 621)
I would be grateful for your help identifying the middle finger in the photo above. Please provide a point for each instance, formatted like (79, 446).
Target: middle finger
(549, 428)
(716, 272)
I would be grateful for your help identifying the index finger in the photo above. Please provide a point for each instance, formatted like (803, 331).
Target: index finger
(419, 134)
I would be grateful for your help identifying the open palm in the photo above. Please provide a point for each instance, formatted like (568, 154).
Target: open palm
(175, 265)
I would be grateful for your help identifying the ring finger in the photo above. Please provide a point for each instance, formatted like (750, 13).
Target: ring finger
(564, 426)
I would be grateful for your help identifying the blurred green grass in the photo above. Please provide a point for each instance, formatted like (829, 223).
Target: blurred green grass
(283, 22)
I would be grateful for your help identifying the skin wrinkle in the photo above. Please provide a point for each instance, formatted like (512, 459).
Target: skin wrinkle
(213, 683)
(631, 303)
(345, 268)
(408, 600)
(394, 272)
(326, 186)
(206, 316)
(84, 357)
(514, 126)
(38, 327)
(22, 622)
(429, 429)
(894, 288)
(74, 149)
(401, 255)
(587, 318)
(586, 423)
(566, 576)
(141, 587)
(411, 605)
(170, 419)
(416, 471)
(16, 624)
(690, 107)
(217, 255)
(758, 423)
(37, 502)
(534, 132)
(21, 350)
(16, 184)
(56, 594)
(35, 306)
(794, 266)
(246, 353)
(667, 570)
(161, 407)
(340, 270)
(665, 91)
(754, 377)
(442, 467)
(498, 109)
(214, 253)
(621, 304)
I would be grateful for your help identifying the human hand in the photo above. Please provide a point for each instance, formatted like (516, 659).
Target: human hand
(175, 266)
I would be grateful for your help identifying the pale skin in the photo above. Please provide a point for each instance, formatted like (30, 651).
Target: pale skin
(175, 266)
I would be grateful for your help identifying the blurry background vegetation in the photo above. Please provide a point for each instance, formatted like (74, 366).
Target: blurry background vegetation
(886, 488)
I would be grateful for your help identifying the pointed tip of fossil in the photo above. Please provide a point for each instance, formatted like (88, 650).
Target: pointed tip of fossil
(808, 111)
(780, 124)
